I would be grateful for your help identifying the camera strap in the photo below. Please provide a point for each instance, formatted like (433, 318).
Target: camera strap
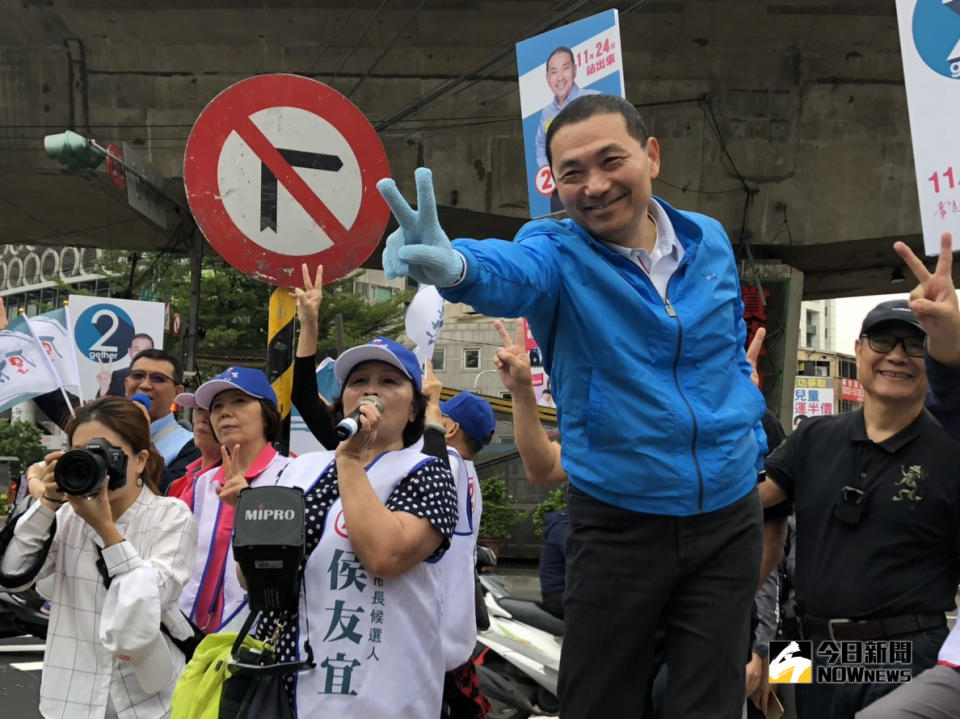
(28, 575)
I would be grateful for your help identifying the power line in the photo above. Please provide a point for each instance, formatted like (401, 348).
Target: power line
(357, 43)
(447, 86)
(383, 53)
(332, 35)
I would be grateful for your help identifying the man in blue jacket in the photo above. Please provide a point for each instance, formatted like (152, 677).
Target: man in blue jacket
(637, 308)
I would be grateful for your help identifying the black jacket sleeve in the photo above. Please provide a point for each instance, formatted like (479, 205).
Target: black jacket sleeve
(316, 415)
(435, 444)
(178, 466)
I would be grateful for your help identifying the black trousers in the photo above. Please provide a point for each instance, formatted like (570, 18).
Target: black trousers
(553, 603)
(627, 571)
(843, 701)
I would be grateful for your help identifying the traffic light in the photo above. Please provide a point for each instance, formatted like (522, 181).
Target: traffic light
(72, 150)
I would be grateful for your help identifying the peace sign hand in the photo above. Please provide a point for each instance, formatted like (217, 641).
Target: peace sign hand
(234, 481)
(934, 301)
(420, 247)
(512, 360)
(310, 297)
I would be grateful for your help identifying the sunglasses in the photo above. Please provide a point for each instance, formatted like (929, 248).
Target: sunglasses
(913, 345)
(155, 377)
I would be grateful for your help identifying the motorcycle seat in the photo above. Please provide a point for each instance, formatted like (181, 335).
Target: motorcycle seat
(529, 612)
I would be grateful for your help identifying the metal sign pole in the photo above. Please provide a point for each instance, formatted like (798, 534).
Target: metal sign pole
(280, 347)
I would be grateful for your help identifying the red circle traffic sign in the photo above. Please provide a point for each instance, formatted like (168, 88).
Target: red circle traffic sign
(281, 170)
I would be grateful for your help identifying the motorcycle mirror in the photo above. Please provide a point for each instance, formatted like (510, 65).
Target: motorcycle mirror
(486, 558)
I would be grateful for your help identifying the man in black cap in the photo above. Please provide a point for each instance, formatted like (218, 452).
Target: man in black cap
(877, 495)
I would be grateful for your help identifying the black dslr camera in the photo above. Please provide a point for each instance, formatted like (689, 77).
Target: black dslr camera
(83, 471)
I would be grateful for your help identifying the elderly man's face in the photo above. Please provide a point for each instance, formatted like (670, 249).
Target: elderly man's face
(893, 375)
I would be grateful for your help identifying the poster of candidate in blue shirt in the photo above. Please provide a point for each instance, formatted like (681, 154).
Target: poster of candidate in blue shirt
(555, 68)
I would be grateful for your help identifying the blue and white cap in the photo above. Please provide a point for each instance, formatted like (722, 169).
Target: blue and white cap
(380, 349)
(251, 381)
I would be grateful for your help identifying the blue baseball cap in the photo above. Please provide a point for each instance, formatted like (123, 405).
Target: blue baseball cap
(380, 349)
(473, 413)
(251, 381)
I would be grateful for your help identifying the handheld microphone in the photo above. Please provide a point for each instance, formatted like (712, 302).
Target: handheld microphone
(349, 425)
(141, 398)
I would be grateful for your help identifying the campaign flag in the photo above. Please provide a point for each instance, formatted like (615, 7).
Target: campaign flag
(424, 320)
(327, 383)
(24, 371)
(52, 333)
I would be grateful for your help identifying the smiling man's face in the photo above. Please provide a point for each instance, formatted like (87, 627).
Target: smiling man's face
(892, 376)
(604, 175)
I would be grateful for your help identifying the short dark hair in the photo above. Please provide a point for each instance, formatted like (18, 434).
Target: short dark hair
(161, 356)
(557, 51)
(272, 421)
(586, 106)
(473, 446)
(142, 336)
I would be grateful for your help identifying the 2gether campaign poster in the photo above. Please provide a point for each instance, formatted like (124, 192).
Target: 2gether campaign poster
(930, 49)
(554, 68)
(107, 333)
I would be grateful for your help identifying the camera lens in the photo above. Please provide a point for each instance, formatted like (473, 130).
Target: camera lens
(80, 472)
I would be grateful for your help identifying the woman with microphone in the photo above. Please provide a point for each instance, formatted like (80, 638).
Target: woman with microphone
(379, 513)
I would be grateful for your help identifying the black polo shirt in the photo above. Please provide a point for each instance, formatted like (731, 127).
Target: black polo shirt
(902, 557)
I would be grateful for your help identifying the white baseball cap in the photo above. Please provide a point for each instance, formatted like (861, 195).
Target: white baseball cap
(186, 399)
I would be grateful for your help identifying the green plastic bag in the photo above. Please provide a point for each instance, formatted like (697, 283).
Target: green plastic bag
(198, 691)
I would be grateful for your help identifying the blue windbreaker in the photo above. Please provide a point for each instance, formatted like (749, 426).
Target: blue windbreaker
(657, 410)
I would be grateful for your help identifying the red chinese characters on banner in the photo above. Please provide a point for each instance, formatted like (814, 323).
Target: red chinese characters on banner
(755, 315)
(851, 389)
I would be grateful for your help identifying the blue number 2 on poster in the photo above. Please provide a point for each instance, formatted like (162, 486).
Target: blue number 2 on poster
(936, 34)
(103, 332)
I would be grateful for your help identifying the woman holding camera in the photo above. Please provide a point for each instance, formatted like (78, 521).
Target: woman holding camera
(378, 514)
(244, 419)
(112, 556)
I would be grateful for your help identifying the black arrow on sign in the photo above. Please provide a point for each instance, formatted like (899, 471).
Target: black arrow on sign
(268, 181)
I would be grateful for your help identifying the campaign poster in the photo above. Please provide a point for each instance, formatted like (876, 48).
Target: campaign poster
(108, 333)
(555, 68)
(930, 49)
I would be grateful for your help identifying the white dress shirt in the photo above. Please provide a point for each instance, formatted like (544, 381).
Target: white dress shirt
(80, 676)
(667, 251)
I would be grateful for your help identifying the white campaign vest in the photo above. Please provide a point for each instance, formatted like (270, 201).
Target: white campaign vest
(457, 567)
(376, 641)
(950, 651)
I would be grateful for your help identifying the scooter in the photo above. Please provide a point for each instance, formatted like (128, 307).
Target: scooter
(518, 656)
(23, 613)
